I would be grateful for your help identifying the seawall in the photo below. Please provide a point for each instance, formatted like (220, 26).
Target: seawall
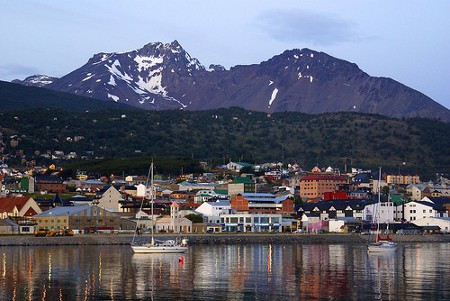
(228, 239)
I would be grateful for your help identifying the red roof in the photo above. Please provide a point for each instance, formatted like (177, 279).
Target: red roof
(8, 204)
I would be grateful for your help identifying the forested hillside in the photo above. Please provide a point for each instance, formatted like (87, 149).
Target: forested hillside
(217, 136)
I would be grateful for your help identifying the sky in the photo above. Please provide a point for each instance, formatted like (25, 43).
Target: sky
(406, 40)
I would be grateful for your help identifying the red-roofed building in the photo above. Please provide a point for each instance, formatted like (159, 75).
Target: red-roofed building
(18, 207)
(315, 185)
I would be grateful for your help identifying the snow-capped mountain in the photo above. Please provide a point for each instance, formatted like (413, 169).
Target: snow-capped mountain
(164, 76)
(141, 77)
(36, 81)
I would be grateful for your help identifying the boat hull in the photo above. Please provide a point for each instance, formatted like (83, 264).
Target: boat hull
(159, 249)
(382, 247)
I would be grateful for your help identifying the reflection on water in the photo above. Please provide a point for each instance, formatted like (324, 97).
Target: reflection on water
(226, 272)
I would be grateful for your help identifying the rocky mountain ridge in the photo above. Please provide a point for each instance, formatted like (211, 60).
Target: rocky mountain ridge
(164, 76)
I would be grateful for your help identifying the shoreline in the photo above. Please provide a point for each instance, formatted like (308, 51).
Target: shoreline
(216, 239)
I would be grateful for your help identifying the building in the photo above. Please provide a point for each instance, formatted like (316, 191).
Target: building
(251, 222)
(263, 203)
(402, 180)
(82, 218)
(427, 207)
(315, 185)
(241, 185)
(53, 184)
(237, 166)
(418, 191)
(174, 225)
(111, 200)
(18, 207)
(212, 211)
(442, 222)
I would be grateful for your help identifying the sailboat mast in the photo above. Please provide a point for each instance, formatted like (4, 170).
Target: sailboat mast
(152, 199)
(379, 205)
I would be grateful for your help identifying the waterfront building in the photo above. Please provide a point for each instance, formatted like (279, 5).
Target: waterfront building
(427, 207)
(263, 203)
(241, 222)
(212, 211)
(442, 222)
(81, 218)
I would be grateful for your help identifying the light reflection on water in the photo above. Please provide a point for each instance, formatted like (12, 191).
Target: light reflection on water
(226, 272)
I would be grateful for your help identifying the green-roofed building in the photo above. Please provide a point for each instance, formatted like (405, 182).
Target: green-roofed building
(241, 185)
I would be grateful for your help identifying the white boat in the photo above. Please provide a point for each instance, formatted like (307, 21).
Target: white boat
(168, 246)
(381, 245)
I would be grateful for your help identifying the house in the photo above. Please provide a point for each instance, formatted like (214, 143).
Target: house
(17, 207)
(418, 191)
(111, 200)
(82, 218)
(335, 209)
(174, 225)
(427, 207)
(7, 226)
(237, 166)
(212, 211)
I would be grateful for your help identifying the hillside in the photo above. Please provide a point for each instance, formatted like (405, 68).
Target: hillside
(18, 97)
(218, 136)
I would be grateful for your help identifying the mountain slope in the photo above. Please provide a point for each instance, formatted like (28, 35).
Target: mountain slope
(17, 97)
(368, 141)
(164, 76)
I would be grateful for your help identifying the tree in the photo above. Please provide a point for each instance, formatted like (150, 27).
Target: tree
(194, 218)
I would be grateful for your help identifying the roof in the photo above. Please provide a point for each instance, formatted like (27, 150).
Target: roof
(8, 204)
(63, 210)
(320, 177)
(336, 204)
(239, 180)
(219, 203)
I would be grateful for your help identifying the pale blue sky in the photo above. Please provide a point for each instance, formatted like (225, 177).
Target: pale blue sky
(407, 40)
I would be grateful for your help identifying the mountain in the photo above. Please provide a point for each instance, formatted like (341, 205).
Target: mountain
(19, 97)
(164, 76)
(36, 81)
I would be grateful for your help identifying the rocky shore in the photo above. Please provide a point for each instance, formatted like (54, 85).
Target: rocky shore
(226, 239)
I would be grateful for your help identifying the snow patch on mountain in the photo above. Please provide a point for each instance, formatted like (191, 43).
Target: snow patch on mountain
(147, 62)
(273, 96)
(113, 97)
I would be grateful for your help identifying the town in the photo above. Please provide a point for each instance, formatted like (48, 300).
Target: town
(236, 197)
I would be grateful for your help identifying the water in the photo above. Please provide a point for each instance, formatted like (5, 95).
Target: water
(226, 272)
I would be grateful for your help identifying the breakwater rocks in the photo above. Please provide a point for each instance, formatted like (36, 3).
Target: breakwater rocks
(226, 239)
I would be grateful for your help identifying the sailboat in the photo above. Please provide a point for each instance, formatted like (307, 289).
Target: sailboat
(167, 246)
(381, 244)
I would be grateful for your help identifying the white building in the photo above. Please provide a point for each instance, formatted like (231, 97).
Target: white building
(214, 210)
(110, 200)
(427, 207)
(240, 222)
(441, 222)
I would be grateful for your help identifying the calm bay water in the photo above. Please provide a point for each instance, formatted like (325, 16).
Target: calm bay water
(226, 272)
